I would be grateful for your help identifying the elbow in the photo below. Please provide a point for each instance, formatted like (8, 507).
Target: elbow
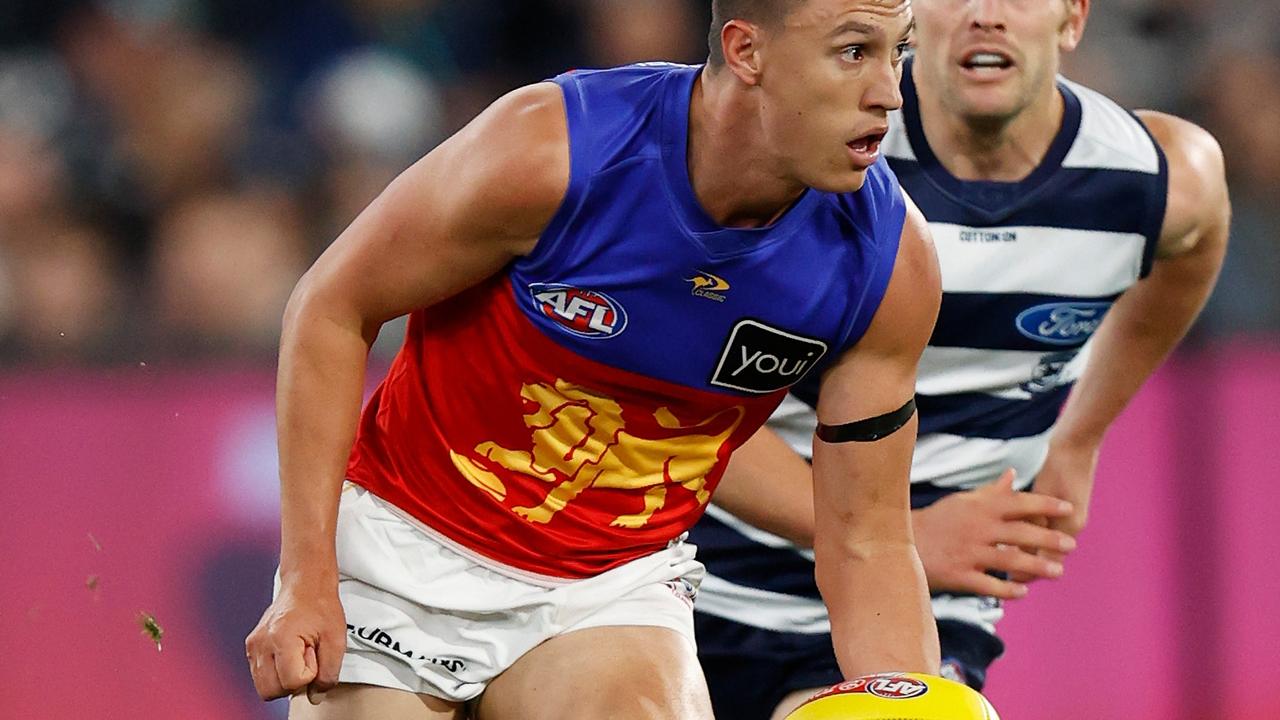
(303, 304)
(313, 302)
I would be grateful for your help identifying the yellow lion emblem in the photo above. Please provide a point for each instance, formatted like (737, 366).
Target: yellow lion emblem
(582, 437)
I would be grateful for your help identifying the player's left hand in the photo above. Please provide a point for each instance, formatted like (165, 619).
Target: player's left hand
(1068, 474)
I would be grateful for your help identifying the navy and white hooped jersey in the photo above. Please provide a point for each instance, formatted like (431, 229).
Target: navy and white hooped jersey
(1029, 271)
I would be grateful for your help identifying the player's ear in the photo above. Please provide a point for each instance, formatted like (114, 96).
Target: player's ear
(1072, 28)
(740, 42)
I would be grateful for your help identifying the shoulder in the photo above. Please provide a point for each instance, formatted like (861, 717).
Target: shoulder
(916, 254)
(1197, 179)
(636, 78)
(909, 310)
(1185, 143)
(604, 100)
(518, 148)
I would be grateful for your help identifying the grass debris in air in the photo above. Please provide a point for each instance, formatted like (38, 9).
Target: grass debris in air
(92, 582)
(151, 628)
(96, 545)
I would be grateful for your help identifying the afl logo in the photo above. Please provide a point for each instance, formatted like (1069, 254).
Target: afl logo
(897, 688)
(584, 313)
(1067, 323)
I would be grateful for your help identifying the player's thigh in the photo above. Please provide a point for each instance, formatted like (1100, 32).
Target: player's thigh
(618, 672)
(351, 701)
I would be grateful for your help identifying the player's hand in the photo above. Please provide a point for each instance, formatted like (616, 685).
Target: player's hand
(1068, 474)
(994, 527)
(298, 644)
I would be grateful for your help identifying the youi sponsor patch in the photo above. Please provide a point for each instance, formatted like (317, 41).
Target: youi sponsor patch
(758, 358)
(1064, 323)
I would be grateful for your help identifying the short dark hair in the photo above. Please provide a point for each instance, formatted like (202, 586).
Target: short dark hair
(761, 12)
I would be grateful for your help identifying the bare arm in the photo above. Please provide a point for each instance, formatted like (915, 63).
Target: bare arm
(770, 486)
(959, 538)
(453, 219)
(1151, 317)
(867, 567)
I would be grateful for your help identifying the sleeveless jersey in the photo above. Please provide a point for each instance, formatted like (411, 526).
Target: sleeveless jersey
(577, 410)
(1029, 270)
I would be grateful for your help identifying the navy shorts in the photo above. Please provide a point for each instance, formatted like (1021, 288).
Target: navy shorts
(750, 670)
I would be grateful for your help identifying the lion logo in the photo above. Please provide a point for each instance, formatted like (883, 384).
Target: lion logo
(580, 441)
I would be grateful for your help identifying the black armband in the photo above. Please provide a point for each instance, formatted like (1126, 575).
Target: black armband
(869, 430)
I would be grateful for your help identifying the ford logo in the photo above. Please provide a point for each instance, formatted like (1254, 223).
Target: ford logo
(1067, 323)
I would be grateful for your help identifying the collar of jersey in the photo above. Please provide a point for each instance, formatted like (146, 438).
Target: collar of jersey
(715, 239)
(1027, 189)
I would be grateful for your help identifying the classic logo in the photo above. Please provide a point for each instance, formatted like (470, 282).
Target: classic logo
(897, 688)
(1065, 323)
(761, 359)
(706, 285)
(579, 441)
(584, 313)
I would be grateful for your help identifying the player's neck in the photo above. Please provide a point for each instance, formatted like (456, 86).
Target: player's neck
(1000, 150)
(736, 184)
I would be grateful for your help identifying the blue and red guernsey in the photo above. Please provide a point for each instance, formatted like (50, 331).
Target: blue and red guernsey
(576, 411)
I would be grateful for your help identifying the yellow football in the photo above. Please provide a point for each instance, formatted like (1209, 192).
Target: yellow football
(896, 696)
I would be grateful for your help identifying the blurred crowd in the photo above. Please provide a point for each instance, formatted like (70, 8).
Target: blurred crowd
(169, 168)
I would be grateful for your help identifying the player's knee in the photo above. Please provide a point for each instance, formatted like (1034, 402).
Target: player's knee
(653, 690)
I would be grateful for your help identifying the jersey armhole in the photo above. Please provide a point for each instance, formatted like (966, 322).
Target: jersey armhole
(889, 231)
(580, 172)
(1157, 202)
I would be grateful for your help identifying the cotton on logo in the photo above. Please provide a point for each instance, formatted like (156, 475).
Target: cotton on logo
(584, 313)
(897, 688)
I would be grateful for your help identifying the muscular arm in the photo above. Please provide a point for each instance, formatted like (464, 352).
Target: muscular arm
(867, 567)
(1151, 317)
(451, 220)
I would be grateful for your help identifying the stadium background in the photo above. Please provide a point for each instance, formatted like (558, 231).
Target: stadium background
(168, 168)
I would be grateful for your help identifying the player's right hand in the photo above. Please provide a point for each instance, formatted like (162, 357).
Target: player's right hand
(963, 536)
(298, 644)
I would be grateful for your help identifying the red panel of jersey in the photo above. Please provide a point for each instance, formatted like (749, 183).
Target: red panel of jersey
(528, 453)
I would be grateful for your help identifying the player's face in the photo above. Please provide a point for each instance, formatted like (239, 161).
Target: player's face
(829, 77)
(990, 59)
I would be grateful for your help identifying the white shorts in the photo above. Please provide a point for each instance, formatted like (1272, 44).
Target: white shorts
(429, 616)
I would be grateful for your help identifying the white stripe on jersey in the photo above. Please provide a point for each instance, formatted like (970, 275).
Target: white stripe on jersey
(942, 459)
(795, 423)
(999, 373)
(965, 463)
(754, 533)
(1109, 138)
(762, 608)
(896, 143)
(980, 611)
(1108, 262)
(794, 614)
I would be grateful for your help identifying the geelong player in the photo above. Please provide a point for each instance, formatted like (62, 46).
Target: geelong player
(1077, 243)
(612, 279)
